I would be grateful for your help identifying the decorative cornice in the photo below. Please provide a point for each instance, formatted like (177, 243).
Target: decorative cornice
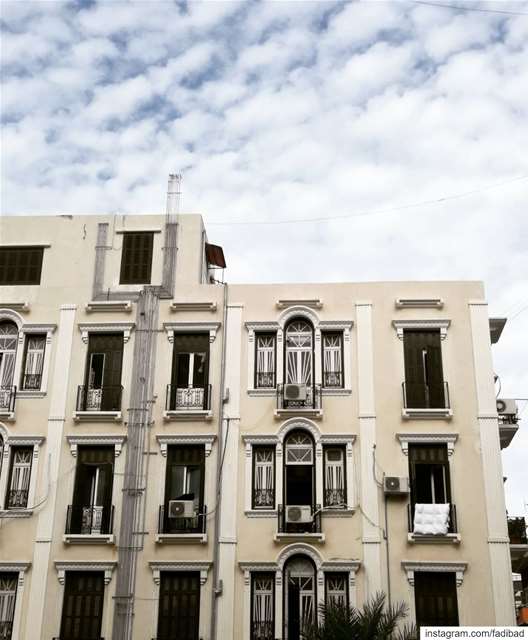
(193, 306)
(95, 306)
(7, 313)
(337, 438)
(336, 325)
(312, 303)
(186, 565)
(16, 567)
(442, 324)
(148, 230)
(81, 565)
(427, 438)
(428, 565)
(298, 423)
(258, 566)
(95, 439)
(105, 327)
(191, 327)
(419, 303)
(24, 441)
(299, 310)
(262, 326)
(166, 440)
(342, 565)
(302, 549)
(16, 306)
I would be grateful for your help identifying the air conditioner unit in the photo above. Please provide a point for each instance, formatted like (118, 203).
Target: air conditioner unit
(393, 485)
(295, 392)
(181, 509)
(299, 514)
(506, 407)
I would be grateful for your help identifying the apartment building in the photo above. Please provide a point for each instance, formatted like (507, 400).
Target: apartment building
(185, 460)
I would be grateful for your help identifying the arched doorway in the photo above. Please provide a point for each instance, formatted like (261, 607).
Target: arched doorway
(299, 596)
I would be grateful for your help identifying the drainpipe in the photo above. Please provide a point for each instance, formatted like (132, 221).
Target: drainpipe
(219, 455)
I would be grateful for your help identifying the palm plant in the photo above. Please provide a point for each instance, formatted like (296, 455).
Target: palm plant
(374, 621)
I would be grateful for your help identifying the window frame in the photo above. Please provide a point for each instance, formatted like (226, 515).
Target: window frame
(27, 338)
(345, 576)
(342, 449)
(258, 335)
(341, 336)
(28, 249)
(128, 267)
(260, 575)
(273, 450)
(13, 451)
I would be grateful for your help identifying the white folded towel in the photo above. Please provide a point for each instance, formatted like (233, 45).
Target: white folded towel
(431, 519)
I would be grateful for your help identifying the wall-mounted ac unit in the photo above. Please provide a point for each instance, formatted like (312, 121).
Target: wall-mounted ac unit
(395, 486)
(301, 513)
(506, 407)
(181, 509)
(294, 391)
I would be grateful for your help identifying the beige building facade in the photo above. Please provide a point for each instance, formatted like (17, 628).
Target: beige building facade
(186, 459)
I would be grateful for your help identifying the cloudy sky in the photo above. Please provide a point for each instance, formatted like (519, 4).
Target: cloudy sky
(315, 138)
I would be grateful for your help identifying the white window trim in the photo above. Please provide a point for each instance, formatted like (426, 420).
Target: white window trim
(24, 332)
(106, 327)
(20, 568)
(191, 327)
(96, 440)
(419, 303)
(437, 323)
(20, 441)
(406, 439)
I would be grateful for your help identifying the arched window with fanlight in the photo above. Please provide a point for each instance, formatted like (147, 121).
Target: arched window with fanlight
(299, 597)
(299, 352)
(299, 483)
(8, 349)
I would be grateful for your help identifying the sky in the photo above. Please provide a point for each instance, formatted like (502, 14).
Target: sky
(321, 142)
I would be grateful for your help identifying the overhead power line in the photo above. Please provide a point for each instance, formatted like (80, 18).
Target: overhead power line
(442, 5)
(359, 214)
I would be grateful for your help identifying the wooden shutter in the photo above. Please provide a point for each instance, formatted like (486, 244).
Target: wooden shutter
(179, 606)
(82, 610)
(424, 378)
(136, 258)
(20, 265)
(436, 599)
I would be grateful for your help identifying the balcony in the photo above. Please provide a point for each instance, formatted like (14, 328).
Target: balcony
(263, 499)
(299, 399)
(452, 535)
(265, 380)
(17, 499)
(99, 404)
(7, 402)
(263, 630)
(31, 382)
(181, 530)
(188, 403)
(426, 401)
(518, 544)
(299, 522)
(89, 524)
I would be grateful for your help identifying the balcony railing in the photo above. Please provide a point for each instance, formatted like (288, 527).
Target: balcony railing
(107, 398)
(7, 399)
(335, 498)
(76, 636)
(188, 398)
(89, 520)
(332, 379)
(296, 519)
(419, 395)
(31, 381)
(263, 630)
(168, 525)
(263, 498)
(308, 397)
(517, 531)
(17, 498)
(265, 380)
(6, 629)
(452, 526)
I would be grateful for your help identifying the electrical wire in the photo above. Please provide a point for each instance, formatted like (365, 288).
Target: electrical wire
(441, 5)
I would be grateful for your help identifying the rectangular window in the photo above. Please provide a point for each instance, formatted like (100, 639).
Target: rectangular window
(102, 387)
(184, 481)
(20, 265)
(82, 609)
(424, 378)
(334, 477)
(179, 605)
(265, 356)
(33, 362)
(136, 257)
(91, 511)
(8, 589)
(332, 360)
(262, 606)
(435, 597)
(263, 478)
(336, 585)
(190, 372)
(19, 477)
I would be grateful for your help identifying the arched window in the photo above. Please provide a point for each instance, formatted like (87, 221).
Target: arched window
(300, 596)
(298, 362)
(8, 348)
(299, 483)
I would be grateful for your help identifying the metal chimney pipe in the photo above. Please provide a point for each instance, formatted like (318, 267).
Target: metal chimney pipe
(173, 194)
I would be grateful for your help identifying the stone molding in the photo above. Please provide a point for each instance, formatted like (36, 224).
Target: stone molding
(186, 565)
(442, 324)
(81, 565)
(434, 566)
(104, 327)
(427, 438)
(166, 440)
(96, 439)
(191, 327)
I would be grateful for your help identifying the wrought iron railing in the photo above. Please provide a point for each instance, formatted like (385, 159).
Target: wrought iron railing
(31, 381)
(452, 525)
(76, 636)
(419, 395)
(17, 498)
(188, 398)
(6, 629)
(89, 520)
(7, 398)
(335, 498)
(263, 630)
(299, 518)
(299, 397)
(332, 379)
(265, 380)
(107, 398)
(196, 524)
(517, 530)
(263, 498)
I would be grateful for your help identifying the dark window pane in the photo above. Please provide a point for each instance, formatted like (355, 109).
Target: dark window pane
(82, 610)
(20, 265)
(435, 598)
(179, 606)
(136, 258)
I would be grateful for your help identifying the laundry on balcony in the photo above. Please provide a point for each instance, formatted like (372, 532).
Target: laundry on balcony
(431, 519)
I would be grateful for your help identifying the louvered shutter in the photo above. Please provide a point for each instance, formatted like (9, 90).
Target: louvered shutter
(179, 606)
(436, 599)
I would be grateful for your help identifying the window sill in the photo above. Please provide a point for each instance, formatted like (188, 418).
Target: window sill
(181, 538)
(329, 391)
(186, 415)
(8, 416)
(30, 394)
(90, 538)
(265, 391)
(337, 513)
(419, 538)
(316, 414)
(427, 414)
(289, 537)
(16, 513)
(97, 416)
(261, 513)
